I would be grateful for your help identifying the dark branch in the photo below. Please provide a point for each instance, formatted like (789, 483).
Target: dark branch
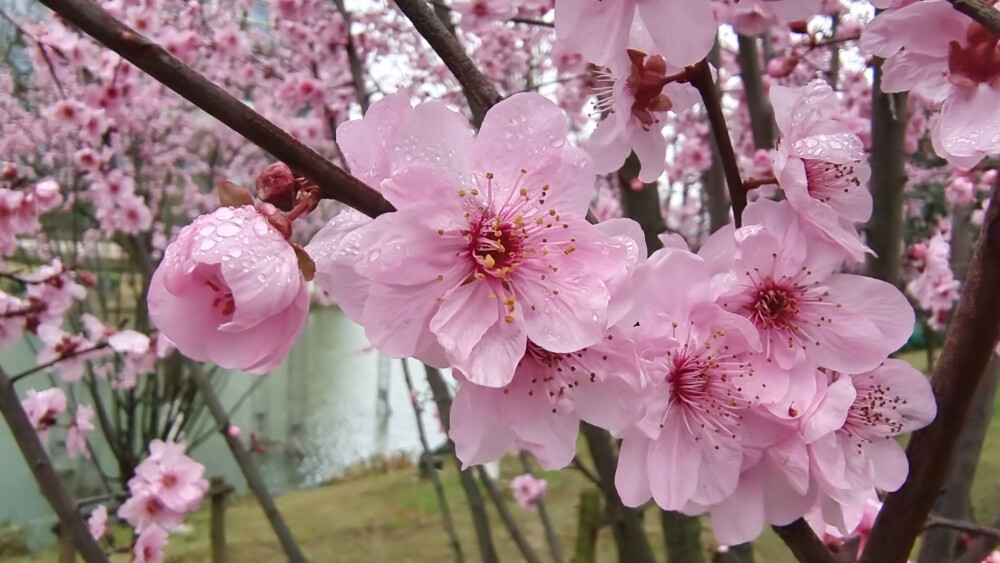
(974, 529)
(987, 16)
(334, 182)
(700, 76)
(529, 21)
(66, 356)
(477, 88)
(805, 546)
(45, 475)
(968, 347)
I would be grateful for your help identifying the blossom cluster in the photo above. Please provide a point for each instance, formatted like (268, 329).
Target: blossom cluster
(167, 485)
(750, 380)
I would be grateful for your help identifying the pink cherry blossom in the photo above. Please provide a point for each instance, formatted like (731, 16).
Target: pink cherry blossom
(98, 522)
(229, 291)
(890, 400)
(478, 15)
(42, 408)
(489, 246)
(145, 510)
(820, 164)
(172, 476)
(934, 286)
(76, 433)
(943, 56)
(541, 408)
(789, 287)
(682, 30)
(149, 546)
(688, 448)
(527, 490)
(638, 91)
(960, 191)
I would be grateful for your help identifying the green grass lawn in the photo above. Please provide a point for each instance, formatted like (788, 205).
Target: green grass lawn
(394, 517)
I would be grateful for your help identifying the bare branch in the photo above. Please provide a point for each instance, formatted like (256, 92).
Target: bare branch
(970, 527)
(334, 181)
(478, 89)
(700, 76)
(45, 475)
(968, 347)
(987, 16)
(806, 547)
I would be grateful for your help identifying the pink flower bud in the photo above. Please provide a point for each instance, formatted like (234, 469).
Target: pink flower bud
(88, 279)
(276, 185)
(635, 184)
(229, 291)
(782, 67)
(234, 431)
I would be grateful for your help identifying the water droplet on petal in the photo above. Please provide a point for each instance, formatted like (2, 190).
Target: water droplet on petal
(228, 229)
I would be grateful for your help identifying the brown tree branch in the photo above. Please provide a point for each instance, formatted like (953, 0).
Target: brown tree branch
(962, 525)
(700, 76)
(987, 16)
(478, 89)
(968, 347)
(45, 475)
(357, 69)
(334, 182)
(982, 547)
(805, 545)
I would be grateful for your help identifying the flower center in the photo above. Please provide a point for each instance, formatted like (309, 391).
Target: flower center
(826, 180)
(646, 81)
(169, 480)
(774, 307)
(223, 301)
(496, 245)
(976, 62)
(871, 413)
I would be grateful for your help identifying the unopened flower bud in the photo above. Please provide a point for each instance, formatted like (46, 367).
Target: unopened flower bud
(781, 67)
(277, 219)
(87, 279)
(276, 185)
(801, 26)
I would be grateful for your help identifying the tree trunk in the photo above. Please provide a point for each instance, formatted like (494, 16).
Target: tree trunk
(888, 160)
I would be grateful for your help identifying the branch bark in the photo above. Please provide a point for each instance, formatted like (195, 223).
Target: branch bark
(968, 348)
(758, 106)
(334, 182)
(987, 16)
(888, 162)
(247, 466)
(45, 475)
(478, 89)
(700, 76)
(805, 546)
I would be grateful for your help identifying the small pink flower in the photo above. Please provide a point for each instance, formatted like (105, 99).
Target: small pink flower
(76, 433)
(149, 547)
(172, 476)
(42, 408)
(98, 522)
(960, 191)
(527, 490)
(820, 164)
(144, 510)
(229, 291)
(234, 431)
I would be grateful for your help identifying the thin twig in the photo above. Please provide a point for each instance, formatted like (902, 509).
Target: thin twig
(579, 466)
(805, 545)
(529, 21)
(700, 76)
(479, 90)
(970, 343)
(970, 527)
(334, 182)
(45, 475)
(527, 552)
(987, 16)
(551, 537)
(46, 365)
